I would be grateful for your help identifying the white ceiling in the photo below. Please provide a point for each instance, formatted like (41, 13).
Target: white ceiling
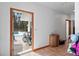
(62, 7)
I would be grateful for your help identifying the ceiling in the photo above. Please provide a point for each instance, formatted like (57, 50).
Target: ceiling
(62, 7)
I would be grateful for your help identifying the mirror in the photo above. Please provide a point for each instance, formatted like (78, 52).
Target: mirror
(21, 31)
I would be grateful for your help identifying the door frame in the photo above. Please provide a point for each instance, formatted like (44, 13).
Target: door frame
(69, 21)
(11, 41)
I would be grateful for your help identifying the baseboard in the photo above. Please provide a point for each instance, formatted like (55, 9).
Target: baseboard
(40, 48)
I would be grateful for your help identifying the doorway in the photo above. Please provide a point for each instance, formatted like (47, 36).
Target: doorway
(70, 27)
(21, 31)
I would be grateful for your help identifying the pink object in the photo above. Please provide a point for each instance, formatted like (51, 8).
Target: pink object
(77, 48)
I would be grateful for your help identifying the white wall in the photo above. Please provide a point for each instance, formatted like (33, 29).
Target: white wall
(0, 34)
(77, 17)
(61, 25)
(46, 22)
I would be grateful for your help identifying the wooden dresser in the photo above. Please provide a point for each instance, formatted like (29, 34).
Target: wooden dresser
(54, 40)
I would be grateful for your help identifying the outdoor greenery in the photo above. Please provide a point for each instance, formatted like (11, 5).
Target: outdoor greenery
(21, 26)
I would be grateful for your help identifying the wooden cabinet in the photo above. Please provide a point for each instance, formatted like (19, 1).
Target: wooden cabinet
(54, 40)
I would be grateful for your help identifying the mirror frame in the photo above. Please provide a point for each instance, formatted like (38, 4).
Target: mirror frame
(11, 41)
